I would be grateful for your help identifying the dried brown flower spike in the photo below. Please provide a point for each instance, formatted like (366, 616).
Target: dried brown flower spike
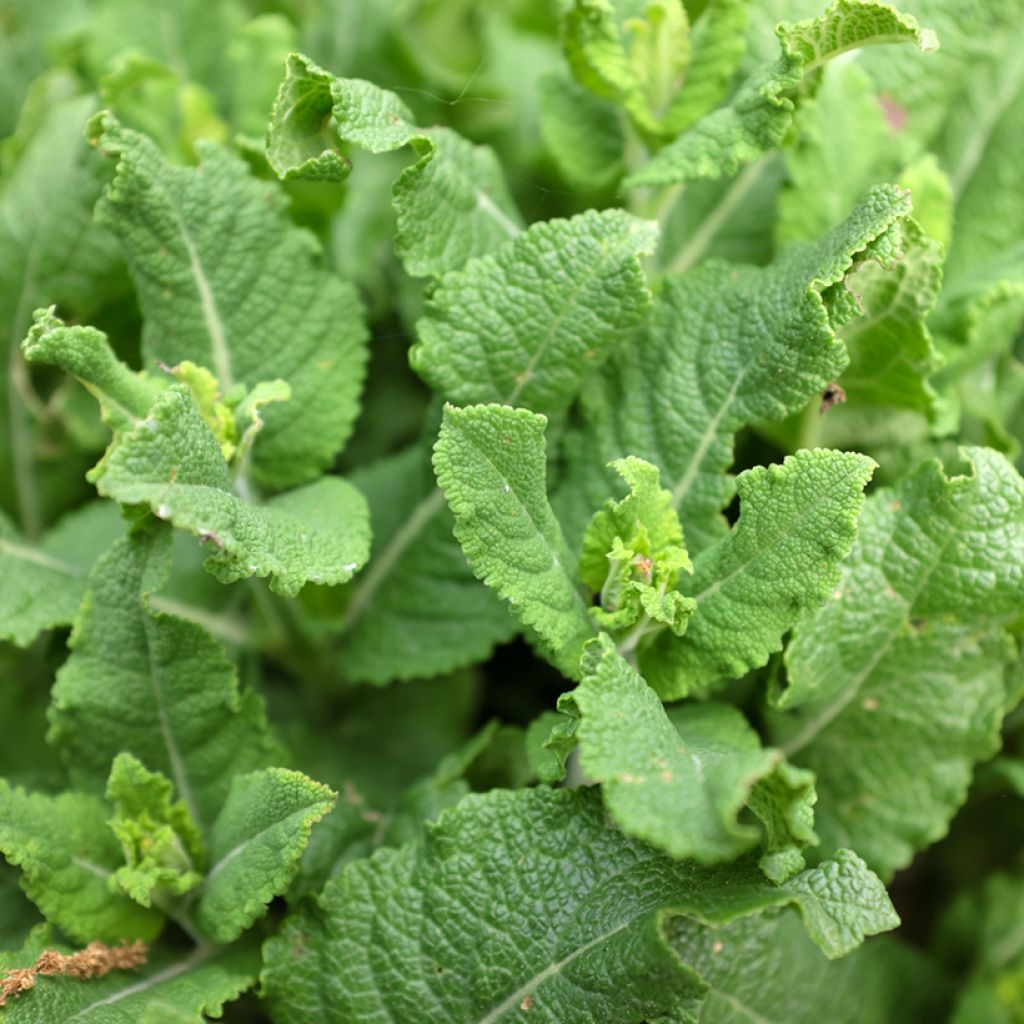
(96, 960)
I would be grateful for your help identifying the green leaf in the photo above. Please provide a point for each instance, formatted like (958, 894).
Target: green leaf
(633, 553)
(147, 683)
(486, 921)
(165, 456)
(452, 203)
(891, 350)
(759, 116)
(797, 522)
(50, 250)
(418, 610)
(582, 133)
(899, 680)
(524, 324)
(766, 969)
(226, 281)
(490, 462)
(162, 846)
(44, 583)
(779, 323)
(172, 987)
(641, 68)
(679, 780)
(255, 846)
(68, 856)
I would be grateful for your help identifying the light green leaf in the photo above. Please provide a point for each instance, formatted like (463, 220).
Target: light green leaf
(165, 456)
(678, 780)
(255, 846)
(640, 67)
(797, 522)
(417, 610)
(43, 583)
(50, 250)
(891, 350)
(633, 553)
(842, 139)
(67, 856)
(725, 346)
(235, 287)
(759, 116)
(490, 462)
(189, 36)
(143, 682)
(172, 987)
(900, 678)
(452, 203)
(582, 133)
(162, 846)
(592, 946)
(718, 45)
(524, 324)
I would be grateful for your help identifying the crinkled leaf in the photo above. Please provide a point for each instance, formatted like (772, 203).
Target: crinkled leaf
(760, 114)
(766, 969)
(523, 325)
(417, 610)
(679, 780)
(452, 203)
(725, 346)
(43, 583)
(528, 902)
(67, 856)
(900, 678)
(226, 281)
(797, 522)
(633, 554)
(490, 462)
(162, 846)
(144, 682)
(165, 456)
(639, 66)
(255, 845)
(171, 988)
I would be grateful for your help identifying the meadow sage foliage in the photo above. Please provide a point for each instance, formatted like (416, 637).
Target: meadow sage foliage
(511, 512)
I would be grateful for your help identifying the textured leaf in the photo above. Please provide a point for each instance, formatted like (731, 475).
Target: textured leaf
(417, 610)
(641, 68)
(482, 922)
(225, 280)
(165, 456)
(891, 349)
(765, 969)
(759, 116)
(899, 679)
(582, 133)
(491, 464)
(171, 988)
(677, 780)
(677, 396)
(255, 846)
(633, 553)
(44, 583)
(452, 203)
(797, 522)
(161, 844)
(67, 855)
(50, 250)
(522, 325)
(147, 683)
